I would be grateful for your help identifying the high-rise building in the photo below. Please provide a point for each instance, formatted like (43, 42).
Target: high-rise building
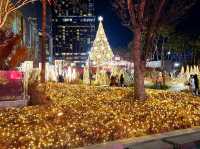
(33, 40)
(48, 47)
(73, 29)
(15, 23)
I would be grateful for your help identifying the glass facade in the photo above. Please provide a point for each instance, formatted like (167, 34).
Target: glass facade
(73, 30)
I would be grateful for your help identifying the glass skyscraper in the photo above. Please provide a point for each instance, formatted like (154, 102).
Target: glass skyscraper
(73, 29)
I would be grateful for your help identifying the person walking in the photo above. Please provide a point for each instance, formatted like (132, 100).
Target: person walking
(117, 82)
(121, 80)
(196, 83)
(112, 81)
(192, 84)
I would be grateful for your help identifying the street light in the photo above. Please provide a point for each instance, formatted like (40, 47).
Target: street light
(168, 54)
(176, 64)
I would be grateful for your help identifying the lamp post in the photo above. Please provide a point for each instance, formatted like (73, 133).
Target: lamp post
(168, 53)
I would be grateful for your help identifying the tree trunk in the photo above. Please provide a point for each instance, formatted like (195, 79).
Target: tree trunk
(43, 50)
(163, 63)
(195, 57)
(139, 65)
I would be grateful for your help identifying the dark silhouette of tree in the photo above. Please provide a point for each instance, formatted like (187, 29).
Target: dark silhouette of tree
(194, 44)
(145, 18)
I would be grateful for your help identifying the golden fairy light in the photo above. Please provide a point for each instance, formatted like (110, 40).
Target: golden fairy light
(82, 115)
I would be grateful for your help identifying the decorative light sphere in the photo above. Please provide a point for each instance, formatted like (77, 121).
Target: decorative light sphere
(100, 18)
(176, 64)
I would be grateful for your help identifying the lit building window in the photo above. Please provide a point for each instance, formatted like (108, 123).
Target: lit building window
(75, 27)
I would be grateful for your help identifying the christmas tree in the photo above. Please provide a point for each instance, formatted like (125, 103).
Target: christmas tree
(86, 75)
(128, 77)
(116, 71)
(182, 71)
(198, 69)
(101, 78)
(101, 51)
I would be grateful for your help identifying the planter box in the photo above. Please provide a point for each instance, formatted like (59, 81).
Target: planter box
(19, 102)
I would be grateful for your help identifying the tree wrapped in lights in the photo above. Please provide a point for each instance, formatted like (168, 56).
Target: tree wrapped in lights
(8, 6)
(182, 70)
(101, 78)
(197, 69)
(101, 51)
(128, 77)
(86, 75)
(115, 71)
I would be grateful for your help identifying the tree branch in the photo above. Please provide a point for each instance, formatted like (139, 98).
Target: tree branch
(7, 7)
(152, 28)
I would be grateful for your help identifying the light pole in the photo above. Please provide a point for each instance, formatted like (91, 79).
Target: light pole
(168, 53)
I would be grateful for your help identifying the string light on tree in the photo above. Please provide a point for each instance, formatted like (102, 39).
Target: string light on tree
(101, 51)
(86, 75)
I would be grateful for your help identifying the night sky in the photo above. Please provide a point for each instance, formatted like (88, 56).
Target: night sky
(191, 22)
(118, 35)
(112, 24)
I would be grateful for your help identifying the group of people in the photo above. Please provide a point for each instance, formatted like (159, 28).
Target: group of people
(117, 81)
(194, 84)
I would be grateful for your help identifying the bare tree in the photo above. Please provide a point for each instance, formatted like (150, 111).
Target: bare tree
(144, 18)
(9, 6)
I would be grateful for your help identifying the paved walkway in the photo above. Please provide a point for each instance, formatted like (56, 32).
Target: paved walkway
(177, 87)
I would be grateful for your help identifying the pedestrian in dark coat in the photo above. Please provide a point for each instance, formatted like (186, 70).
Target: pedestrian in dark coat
(196, 82)
(122, 80)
